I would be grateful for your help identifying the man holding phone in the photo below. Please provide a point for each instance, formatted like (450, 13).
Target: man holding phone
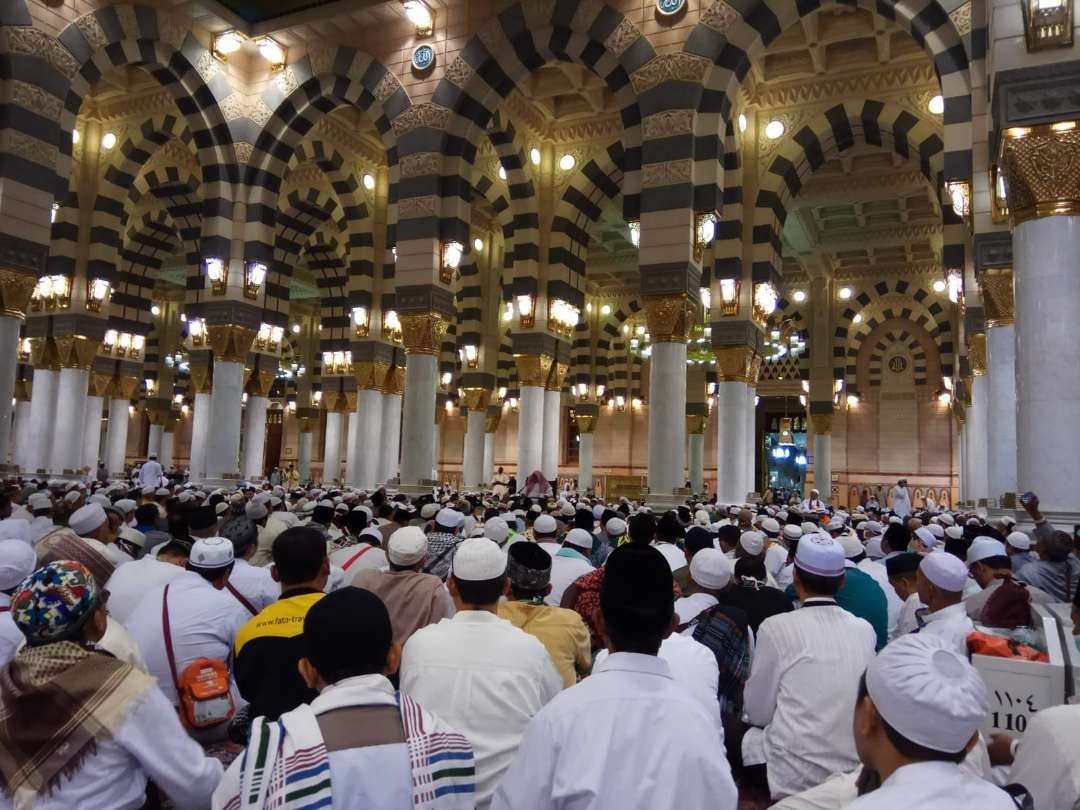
(1058, 570)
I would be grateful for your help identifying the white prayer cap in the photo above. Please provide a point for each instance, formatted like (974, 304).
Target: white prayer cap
(579, 538)
(256, 510)
(545, 524)
(211, 552)
(1008, 520)
(615, 527)
(701, 517)
(872, 528)
(936, 530)
(126, 505)
(945, 519)
(373, 533)
(15, 529)
(100, 500)
(496, 530)
(428, 510)
(770, 526)
(945, 570)
(342, 507)
(792, 532)
(983, 547)
(327, 503)
(809, 527)
(407, 546)
(974, 522)
(87, 519)
(821, 555)
(148, 490)
(72, 496)
(478, 559)
(926, 537)
(567, 509)
(1019, 541)
(873, 548)
(161, 492)
(954, 532)
(186, 497)
(221, 508)
(851, 545)
(598, 511)
(752, 542)
(449, 518)
(711, 568)
(896, 519)
(133, 536)
(17, 561)
(367, 511)
(927, 692)
(39, 500)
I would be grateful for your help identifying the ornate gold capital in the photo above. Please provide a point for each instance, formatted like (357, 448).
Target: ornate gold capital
(669, 317)
(99, 384)
(422, 332)
(306, 424)
(23, 390)
(695, 423)
(370, 376)
(201, 382)
(556, 376)
(977, 353)
(350, 401)
(476, 399)
(585, 424)
(158, 414)
(260, 383)
(822, 423)
(124, 387)
(76, 351)
(16, 288)
(533, 369)
(394, 383)
(491, 421)
(997, 292)
(230, 342)
(1042, 170)
(737, 364)
(43, 354)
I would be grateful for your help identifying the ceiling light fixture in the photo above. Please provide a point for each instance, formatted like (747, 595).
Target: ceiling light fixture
(502, 173)
(798, 296)
(566, 162)
(846, 293)
(272, 51)
(420, 15)
(939, 285)
(742, 122)
(227, 43)
(478, 244)
(774, 129)
(75, 136)
(936, 105)
(369, 181)
(534, 156)
(108, 140)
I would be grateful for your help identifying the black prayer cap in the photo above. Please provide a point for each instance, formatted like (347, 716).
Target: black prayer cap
(904, 563)
(202, 517)
(636, 596)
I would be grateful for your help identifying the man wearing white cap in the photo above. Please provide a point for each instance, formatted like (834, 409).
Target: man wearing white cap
(919, 710)
(990, 566)
(413, 598)
(569, 563)
(41, 506)
(901, 499)
(129, 583)
(813, 503)
(92, 525)
(203, 618)
(803, 677)
(150, 473)
(545, 531)
(17, 562)
(478, 672)
(443, 541)
(940, 582)
(1019, 548)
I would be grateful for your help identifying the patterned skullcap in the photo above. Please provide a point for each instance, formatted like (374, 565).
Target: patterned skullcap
(54, 602)
(528, 566)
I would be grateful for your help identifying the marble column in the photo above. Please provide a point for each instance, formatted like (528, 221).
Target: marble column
(436, 452)
(303, 454)
(352, 469)
(42, 418)
(996, 285)
(978, 422)
(254, 431)
(332, 448)
(153, 442)
(116, 439)
(168, 438)
(223, 443)
(667, 417)
(21, 434)
(751, 483)
(200, 431)
(696, 452)
(92, 432)
(530, 431)
(1043, 191)
(474, 473)
(368, 439)
(9, 351)
(391, 437)
(66, 453)
(491, 425)
(422, 335)
(551, 451)
(731, 441)
(823, 454)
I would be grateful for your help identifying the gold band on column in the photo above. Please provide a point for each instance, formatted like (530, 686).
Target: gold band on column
(997, 293)
(533, 369)
(695, 423)
(669, 317)
(422, 332)
(492, 419)
(370, 376)
(1042, 170)
(394, 383)
(585, 423)
(16, 287)
(556, 376)
(476, 399)
(201, 381)
(737, 364)
(124, 387)
(99, 384)
(76, 351)
(260, 382)
(822, 423)
(977, 353)
(230, 342)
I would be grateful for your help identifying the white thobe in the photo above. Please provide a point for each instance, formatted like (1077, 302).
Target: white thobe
(892, 601)
(485, 678)
(150, 474)
(130, 583)
(39, 527)
(952, 624)
(934, 786)
(203, 621)
(908, 622)
(11, 637)
(901, 501)
(353, 559)
(149, 742)
(566, 568)
(1047, 763)
(254, 584)
(628, 737)
(803, 683)
(776, 557)
(674, 555)
(690, 607)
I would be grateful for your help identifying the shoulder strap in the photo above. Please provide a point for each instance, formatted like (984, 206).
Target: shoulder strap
(168, 635)
(240, 598)
(356, 557)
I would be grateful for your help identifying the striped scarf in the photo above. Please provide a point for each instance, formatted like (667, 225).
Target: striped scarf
(286, 765)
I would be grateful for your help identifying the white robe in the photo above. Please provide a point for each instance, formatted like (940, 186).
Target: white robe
(901, 501)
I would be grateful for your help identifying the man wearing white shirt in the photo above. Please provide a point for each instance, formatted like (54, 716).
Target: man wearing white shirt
(901, 499)
(478, 672)
(903, 571)
(941, 581)
(129, 583)
(1045, 761)
(629, 737)
(570, 563)
(804, 676)
(17, 562)
(918, 712)
(253, 587)
(150, 473)
(813, 503)
(203, 618)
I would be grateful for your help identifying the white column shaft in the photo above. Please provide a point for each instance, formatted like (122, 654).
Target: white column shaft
(223, 437)
(418, 421)
(696, 475)
(750, 483)
(1001, 415)
(303, 454)
(585, 462)
(165, 457)
(21, 434)
(978, 474)
(332, 448)
(436, 453)
(70, 419)
(391, 437)
(9, 350)
(667, 417)
(730, 442)
(116, 441)
(473, 462)
(489, 457)
(530, 431)
(42, 418)
(153, 440)
(552, 447)
(823, 465)
(92, 432)
(200, 428)
(255, 436)
(351, 462)
(368, 439)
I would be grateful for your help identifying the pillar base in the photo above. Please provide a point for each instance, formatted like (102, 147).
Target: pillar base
(220, 483)
(415, 490)
(659, 502)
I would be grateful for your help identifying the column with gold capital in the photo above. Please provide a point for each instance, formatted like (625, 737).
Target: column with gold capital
(120, 391)
(369, 368)
(390, 454)
(533, 371)
(735, 371)
(552, 444)
(491, 425)
(42, 403)
(100, 382)
(260, 381)
(202, 384)
(977, 415)
(697, 416)
(997, 294)
(1043, 189)
(16, 287)
(75, 354)
(231, 343)
(585, 414)
(476, 398)
(422, 333)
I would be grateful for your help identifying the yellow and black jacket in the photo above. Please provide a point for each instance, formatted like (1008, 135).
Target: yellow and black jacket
(268, 648)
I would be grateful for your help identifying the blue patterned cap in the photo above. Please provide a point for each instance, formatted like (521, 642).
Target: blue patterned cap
(54, 602)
